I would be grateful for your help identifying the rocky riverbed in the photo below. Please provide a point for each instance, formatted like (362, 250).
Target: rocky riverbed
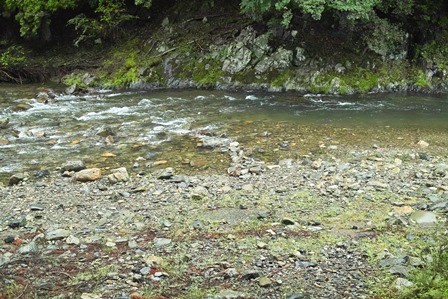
(349, 225)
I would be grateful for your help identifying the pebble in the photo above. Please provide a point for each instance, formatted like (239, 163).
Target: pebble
(74, 165)
(159, 242)
(57, 234)
(31, 247)
(264, 282)
(36, 207)
(72, 240)
(86, 175)
(9, 239)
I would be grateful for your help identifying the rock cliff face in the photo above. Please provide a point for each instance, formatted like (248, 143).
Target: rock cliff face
(189, 56)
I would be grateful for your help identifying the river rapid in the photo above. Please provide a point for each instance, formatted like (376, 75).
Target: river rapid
(190, 130)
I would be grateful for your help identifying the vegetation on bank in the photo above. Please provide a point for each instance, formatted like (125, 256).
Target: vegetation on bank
(348, 46)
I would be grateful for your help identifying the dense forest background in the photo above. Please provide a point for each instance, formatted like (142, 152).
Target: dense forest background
(406, 30)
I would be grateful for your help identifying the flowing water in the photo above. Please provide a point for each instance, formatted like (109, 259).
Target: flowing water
(163, 128)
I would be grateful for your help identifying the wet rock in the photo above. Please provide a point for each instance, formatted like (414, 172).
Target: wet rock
(57, 234)
(118, 175)
(73, 165)
(86, 175)
(71, 89)
(16, 178)
(106, 131)
(423, 217)
(21, 107)
(4, 122)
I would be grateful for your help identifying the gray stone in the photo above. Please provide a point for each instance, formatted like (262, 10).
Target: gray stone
(299, 296)
(86, 175)
(238, 57)
(423, 217)
(71, 89)
(400, 270)
(21, 222)
(3, 260)
(72, 240)
(265, 282)
(57, 234)
(159, 242)
(74, 165)
(118, 175)
(36, 207)
(402, 283)
(439, 206)
(228, 294)
(16, 178)
(165, 174)
(393, 261)
(31, 247)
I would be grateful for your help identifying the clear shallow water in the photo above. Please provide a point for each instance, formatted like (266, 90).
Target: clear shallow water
(167, 125)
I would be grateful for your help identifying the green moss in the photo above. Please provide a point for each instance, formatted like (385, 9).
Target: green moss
(282, 78)
(420, 80)
(207, 73)
(73, 79)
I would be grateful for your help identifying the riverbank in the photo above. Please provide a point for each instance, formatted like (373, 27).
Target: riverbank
(227, 52)
(355, 226)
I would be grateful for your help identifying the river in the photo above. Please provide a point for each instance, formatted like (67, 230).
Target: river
(190, 130)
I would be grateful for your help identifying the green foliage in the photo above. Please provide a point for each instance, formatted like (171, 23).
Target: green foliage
(435, 52)
(31, 13)
(111, 14)
(421, 80)
(431, 282)
(387, 39)
(353, 9)
(12, 56)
